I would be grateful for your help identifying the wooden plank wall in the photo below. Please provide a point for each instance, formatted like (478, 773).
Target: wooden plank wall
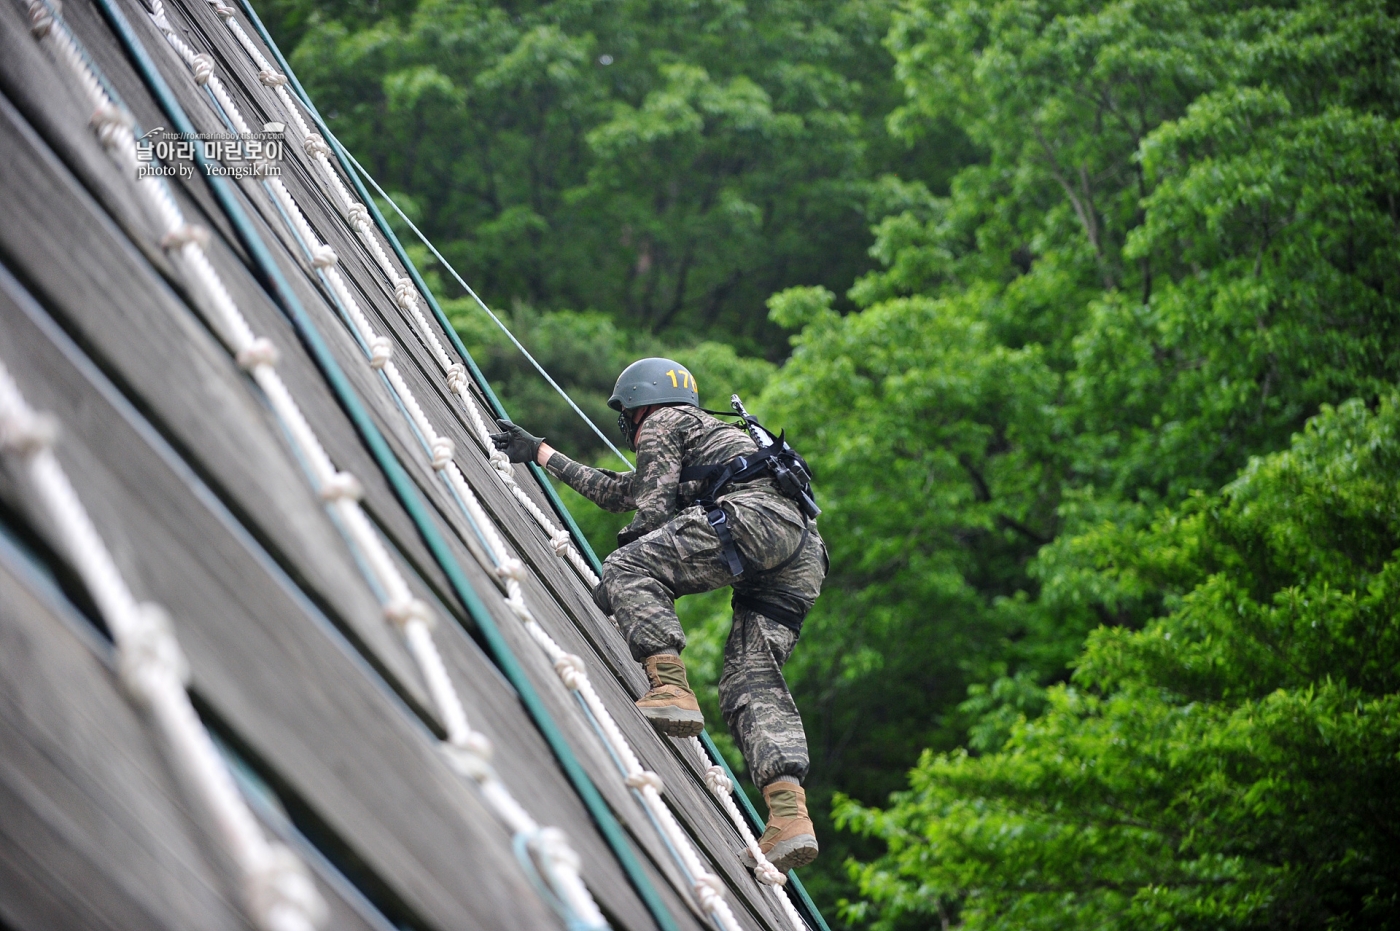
(192, 483)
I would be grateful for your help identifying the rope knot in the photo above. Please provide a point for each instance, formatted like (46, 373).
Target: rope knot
(148, 652)
(405, 294)
(717, 782)
(561, 541)
(467, 760)
(443, 450)
(342, 486)
(315, 145)
(502, 463)
(40, 19)
(26, 433)
(267, 76)
(767, 873)
(280, 893)
(474, 742)
(709, 890)
(259, 352)
(552, 847)
(457, 377)
(323, 256)
(645, 777)
(380, 352)
(357, 215)
(221, 9)
(203, 67)
(183, 235)
(571, 671)
(406, 610)
(109, 122)
(511, 569)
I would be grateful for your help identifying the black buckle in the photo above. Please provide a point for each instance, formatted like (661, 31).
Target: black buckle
(719, 521)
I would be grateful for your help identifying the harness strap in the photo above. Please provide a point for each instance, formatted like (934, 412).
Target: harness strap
(741, 469)
(719, 521)
(792, 620)
(796, 551)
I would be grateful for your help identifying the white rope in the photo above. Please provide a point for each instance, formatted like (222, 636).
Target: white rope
(467, 750)
(720, 785)
(626, 463)
(406, 295)
(277, 891)
(707, 888)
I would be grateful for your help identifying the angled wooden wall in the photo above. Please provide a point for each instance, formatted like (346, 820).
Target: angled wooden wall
(208, 512)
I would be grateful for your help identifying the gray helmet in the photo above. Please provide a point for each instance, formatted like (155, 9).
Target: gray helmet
(654, 381)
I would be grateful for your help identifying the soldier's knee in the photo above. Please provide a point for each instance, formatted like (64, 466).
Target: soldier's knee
(622, 563)
(731, 697)
(617, 577)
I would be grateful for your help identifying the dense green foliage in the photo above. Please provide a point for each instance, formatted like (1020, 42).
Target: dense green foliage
(1043, 277)
(668, 163)
(1230, 765)
(1182, 243)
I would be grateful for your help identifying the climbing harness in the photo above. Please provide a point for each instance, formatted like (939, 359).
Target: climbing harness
(775, 459)
(788, 618)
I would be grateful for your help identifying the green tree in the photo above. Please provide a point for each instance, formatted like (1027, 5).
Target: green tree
(1230, 765)
(1119, 248)
(1180, 245)
(1041, 356)
(668, 163)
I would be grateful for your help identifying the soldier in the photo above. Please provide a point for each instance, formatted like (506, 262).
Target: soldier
(749, 534)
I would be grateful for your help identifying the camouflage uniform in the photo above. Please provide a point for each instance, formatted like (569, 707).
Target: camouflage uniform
(670, 550)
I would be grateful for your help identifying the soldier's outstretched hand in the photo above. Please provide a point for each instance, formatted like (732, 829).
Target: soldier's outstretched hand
(518, 445)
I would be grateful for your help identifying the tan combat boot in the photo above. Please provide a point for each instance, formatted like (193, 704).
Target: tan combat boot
(790, 840)
(670, 706)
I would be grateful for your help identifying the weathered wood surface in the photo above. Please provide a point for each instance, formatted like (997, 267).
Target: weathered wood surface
(167, 359)
(147, 339)
(565, 608)
(94, 832)
(341, 442)
(79, 246)
(569, 612)
(573, 613)
(522, 756)
(267, 661)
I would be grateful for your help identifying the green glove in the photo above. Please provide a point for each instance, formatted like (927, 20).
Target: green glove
(518, 445)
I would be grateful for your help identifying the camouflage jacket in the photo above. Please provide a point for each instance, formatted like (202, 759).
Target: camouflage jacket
(670, 439)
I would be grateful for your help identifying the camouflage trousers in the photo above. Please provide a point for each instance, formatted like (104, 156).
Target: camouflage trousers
(643, 579)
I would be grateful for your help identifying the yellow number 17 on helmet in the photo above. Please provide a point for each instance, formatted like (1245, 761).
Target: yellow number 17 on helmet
(685, 380)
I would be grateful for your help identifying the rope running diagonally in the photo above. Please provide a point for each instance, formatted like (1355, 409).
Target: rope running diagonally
(627, 463)
(406, 297)
(569, 667)
(278, 893)
(716, 776)
(468, 751)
